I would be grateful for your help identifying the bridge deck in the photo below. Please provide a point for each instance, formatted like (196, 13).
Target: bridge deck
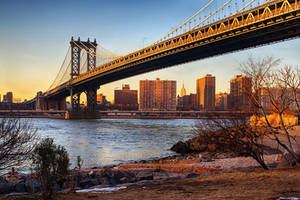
(275, 21)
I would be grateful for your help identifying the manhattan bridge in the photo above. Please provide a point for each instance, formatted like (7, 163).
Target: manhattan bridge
(221, 26)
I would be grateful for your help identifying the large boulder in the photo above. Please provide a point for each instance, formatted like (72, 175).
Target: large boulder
(180, 147)
(20, 188)
(5, 188)
(144, 175)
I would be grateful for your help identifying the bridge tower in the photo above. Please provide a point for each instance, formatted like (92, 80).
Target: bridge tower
(91, 90)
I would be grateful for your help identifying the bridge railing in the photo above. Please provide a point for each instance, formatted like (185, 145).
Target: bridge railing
(253, 16)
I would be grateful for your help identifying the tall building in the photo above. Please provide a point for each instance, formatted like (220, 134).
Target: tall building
(206, 89)
(8, 98)
(182, 91)
(126, 99)
(240, 88)
(101, 99)
(273, 98)
(0, 97)
(187, 102)
(221, 101)
(157, 95)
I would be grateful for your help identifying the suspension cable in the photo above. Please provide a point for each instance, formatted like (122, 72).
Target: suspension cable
(61, 67)
(104, 50)
(181, 24)
(95, 53)
(108, 54)
(243, 8)
(211, 14)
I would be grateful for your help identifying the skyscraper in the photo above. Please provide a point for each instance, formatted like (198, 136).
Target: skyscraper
(8, 98)
(206, 89)
(240, 88)
(157, 95)
(182, 91)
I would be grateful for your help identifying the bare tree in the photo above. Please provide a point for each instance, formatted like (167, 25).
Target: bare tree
(233, 135)
(277, 87)
(17, 141)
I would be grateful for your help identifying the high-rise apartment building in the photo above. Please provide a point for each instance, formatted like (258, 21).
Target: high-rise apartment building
(157, 95)
(8, 98)
(240, 89)
(221, 101)
(126, 98)
(206, 89)
(187, 102)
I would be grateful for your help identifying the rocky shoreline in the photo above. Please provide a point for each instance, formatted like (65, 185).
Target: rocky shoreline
(194, 160)
(172, 167)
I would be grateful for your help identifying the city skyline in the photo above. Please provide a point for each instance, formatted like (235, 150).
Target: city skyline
(30, 61)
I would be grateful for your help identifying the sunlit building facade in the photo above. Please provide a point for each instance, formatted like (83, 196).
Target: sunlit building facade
(240, 89)
(157, 95)
(206, 90)
(126, 99)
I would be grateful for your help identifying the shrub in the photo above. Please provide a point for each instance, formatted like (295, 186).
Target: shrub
(51, 163)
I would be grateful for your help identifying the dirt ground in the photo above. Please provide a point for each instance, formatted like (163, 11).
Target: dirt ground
(247, 184)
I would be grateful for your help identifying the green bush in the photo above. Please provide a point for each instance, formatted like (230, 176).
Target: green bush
(51, 164)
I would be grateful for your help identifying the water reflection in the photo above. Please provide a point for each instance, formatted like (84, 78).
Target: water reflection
(102, 142)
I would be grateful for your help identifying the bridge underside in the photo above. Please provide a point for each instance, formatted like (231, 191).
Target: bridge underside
(261, 32)
(263, 36)
(239, 42)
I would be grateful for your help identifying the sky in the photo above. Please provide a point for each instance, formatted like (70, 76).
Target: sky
(35, 34)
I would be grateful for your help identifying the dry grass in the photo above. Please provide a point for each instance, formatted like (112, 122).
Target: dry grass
(248, 184)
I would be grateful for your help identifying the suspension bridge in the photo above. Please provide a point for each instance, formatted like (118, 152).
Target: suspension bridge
(221, 26)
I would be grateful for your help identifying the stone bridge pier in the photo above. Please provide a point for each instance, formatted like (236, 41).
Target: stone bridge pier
(91, 99)
(43, 103)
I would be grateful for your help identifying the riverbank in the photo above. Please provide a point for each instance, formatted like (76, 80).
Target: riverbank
(124, 175)
(243, 184)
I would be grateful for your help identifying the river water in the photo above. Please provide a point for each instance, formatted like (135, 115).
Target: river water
(102, 142)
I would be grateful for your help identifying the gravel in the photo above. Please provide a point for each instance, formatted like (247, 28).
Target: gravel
(236, 163)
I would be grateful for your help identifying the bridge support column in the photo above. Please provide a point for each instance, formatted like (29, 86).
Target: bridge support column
(56, 104)
(91, 97)
(40, 103)
(75, 100)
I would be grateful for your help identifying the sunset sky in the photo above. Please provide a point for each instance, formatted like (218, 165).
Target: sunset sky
(35, 34)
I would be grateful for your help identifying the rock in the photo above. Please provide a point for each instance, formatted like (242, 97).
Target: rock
(92, 174)
(20, 188)
(86, 183)
(212, 147)
(33, 185)
(180, 147)
(144, 175)
(105, 180)
(2, 180)
(160, 175)
(94, 181)
(124, 180)
(198, 147)
(112, 181)
(192, 175)
(5, 188)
